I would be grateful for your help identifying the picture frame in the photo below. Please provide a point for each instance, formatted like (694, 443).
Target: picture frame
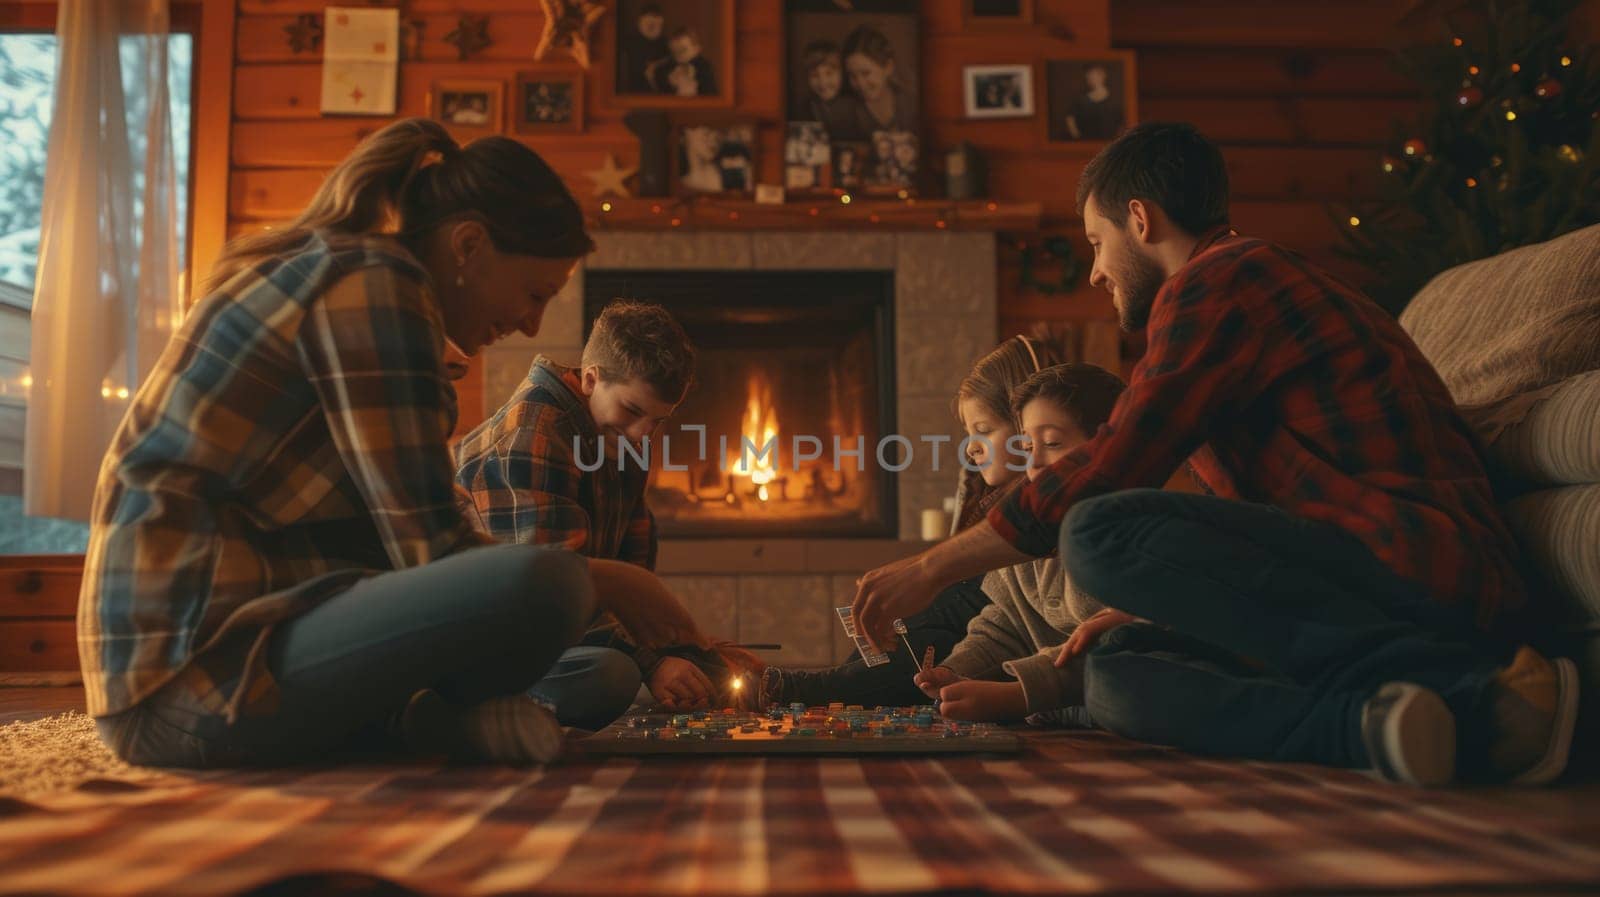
(996, 13)
(548, 102)
(997, 91)
(807, 158)
(715, 156)
(1070, 85)
(857, 68)
(670, 54)
(468, 107)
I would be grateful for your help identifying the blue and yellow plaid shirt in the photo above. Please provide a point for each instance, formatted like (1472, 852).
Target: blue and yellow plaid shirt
(291, 439)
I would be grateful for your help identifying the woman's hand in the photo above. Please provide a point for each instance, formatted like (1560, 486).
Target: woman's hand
(680, 685)
(1089, 631)
(652, 615)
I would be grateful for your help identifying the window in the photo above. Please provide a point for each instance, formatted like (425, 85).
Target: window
(27, 70)
(27, 74)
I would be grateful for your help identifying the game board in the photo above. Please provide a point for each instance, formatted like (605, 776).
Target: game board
(797, 729)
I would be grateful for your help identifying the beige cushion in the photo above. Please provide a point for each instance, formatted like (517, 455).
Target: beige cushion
(1500, 328)
(1557, 442)
(1560, 531)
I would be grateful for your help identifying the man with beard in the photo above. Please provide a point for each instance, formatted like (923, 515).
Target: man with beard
(1347, 592)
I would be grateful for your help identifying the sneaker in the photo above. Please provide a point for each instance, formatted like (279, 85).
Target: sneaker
(1410, 735)
(1534, 708)
(514, 730)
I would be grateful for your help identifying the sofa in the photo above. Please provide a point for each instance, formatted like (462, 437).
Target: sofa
(1516, 338)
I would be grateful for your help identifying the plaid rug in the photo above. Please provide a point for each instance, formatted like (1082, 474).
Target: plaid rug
(1074, 813)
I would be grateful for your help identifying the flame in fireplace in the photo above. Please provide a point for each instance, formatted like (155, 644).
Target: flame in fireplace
(759, 426)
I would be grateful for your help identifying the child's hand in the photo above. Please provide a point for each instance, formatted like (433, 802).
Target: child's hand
(1089, 632)
(680, 685)
(931, 679)
(979, 701)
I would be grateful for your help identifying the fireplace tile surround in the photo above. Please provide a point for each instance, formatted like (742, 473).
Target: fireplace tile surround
(784, 590)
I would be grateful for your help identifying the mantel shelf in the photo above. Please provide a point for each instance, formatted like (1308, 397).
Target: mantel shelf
(820, 213)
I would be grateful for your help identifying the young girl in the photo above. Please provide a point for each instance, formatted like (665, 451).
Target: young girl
(984, 407)
(277, 560)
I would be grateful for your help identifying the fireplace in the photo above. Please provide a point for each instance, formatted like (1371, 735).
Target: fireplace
(788, 363)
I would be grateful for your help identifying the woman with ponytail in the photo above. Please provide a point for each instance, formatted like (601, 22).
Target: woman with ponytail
(983, 405)
(278, 567)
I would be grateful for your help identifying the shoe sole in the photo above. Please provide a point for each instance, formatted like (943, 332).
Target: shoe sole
(1554, 762)
(1418, 740)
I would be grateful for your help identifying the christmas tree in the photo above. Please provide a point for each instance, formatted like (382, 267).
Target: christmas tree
(1504, 153)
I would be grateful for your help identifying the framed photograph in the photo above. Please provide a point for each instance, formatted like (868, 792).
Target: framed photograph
(671, 53)
(850, 163)
(807, 159)
(856, 68)
(469, 107)
(980, 13)
(548, 103)
(998, 91)
(1090, 98)
(714, 156)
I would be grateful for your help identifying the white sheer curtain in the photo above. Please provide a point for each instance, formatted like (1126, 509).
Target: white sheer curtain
(107, 294)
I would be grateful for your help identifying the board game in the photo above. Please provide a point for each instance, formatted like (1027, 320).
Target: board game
(798, 729)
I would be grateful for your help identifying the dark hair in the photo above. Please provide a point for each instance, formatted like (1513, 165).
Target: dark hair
(817, 52)
(412, 177)
(1170, 164)
(649, 9)
(869, 42)
(1087, 392)
(685, 31)
(641, 340)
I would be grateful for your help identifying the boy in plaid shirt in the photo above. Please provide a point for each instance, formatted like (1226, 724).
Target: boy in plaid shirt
(526, 485)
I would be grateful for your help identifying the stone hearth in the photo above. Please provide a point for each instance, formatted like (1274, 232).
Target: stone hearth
(784, 590)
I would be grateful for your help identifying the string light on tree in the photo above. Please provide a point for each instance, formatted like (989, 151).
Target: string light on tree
(1514, 107)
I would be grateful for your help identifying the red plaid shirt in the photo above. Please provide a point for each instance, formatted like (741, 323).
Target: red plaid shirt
(1285, 387)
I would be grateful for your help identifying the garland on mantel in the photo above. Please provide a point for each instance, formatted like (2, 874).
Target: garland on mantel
(1054, 249)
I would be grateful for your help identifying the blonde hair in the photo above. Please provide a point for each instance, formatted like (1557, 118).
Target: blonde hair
(412, 177)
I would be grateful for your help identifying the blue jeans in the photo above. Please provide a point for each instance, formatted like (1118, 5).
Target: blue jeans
(590, 687)
(475, 625)
(1277, 630)
(942, 624)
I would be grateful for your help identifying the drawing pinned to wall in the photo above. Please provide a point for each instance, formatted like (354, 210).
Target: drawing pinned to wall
(360, 61)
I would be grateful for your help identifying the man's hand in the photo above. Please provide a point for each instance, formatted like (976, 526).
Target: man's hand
(651, 614)
(983, 702)
(932, 679)
(898, 590)
(680, 685)
(1089, 632)
(891, 592)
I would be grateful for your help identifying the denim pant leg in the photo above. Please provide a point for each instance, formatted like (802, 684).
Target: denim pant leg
(590, 687)
(475, 625)
(1304, 598)
(942, 624)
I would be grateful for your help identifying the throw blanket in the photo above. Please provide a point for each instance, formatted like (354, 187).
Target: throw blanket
(1502, 330)
(1076, 813)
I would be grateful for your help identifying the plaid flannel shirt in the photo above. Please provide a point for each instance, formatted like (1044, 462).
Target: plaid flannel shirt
(525, 484)
(290, 440)
(1292, 389)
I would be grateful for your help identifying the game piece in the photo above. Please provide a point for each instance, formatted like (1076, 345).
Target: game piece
(807, 730)
(869, 655)
(927, 658)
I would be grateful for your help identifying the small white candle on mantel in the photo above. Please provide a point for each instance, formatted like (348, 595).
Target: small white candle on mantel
(934, 525)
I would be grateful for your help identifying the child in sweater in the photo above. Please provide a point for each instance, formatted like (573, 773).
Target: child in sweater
(1005, 669)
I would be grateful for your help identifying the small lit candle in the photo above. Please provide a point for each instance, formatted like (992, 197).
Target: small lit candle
(934, 525)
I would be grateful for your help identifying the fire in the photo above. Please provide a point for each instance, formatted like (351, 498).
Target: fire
(759, 427)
